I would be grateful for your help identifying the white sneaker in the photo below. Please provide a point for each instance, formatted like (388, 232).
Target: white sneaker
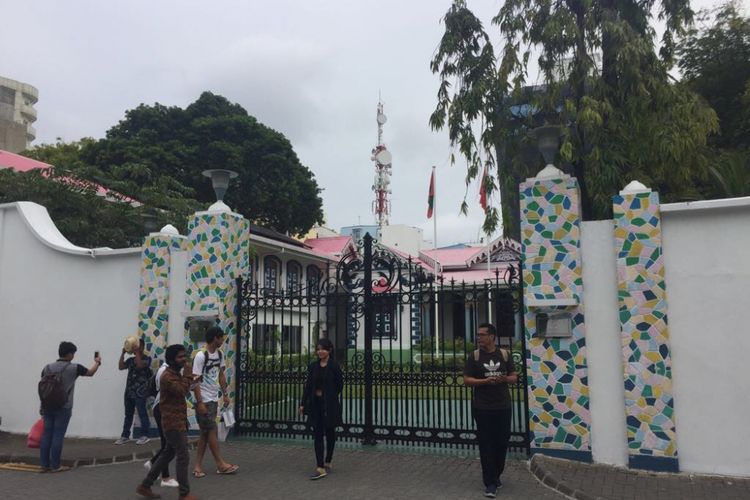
(122, 440)
(142, 440)
(170, 483)
(147, 465)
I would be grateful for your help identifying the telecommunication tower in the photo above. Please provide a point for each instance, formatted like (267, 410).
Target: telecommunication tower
(381, 206)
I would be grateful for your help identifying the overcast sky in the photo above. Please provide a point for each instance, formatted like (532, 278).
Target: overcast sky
(311, 70)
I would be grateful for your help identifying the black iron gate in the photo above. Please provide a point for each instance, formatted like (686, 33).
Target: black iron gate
(402, 337)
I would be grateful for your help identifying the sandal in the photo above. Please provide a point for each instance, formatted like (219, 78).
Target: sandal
(198, 474)
(229, 470)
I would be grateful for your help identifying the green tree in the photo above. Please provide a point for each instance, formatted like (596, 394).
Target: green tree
(161, 199)
(714, 58)
(83, 217)
(715, 62)
(157, 153)
(621, 116)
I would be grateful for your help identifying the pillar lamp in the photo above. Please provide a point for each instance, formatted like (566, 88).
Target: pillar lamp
(548, 141)
(220, 181)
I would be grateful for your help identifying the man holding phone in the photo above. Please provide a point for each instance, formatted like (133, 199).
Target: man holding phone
(56, 419)
(174, 386)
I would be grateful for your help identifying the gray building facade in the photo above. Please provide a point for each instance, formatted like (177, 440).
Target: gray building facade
(17, 114)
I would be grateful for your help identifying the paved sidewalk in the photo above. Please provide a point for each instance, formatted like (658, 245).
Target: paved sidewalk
(273, 470)
(77, 452)
(588, 481)
(279, 471)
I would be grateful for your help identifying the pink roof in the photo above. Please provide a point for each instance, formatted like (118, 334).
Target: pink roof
(414, 260)
(332, 245)
(22, 164)
(19, 163)
(473, 276)
(453, 256)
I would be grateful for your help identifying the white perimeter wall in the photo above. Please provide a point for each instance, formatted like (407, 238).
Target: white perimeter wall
(707, 263)
(48, 295)
(609, 441)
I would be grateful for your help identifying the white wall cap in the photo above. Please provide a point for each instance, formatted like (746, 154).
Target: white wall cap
(723, 203)
(550, 172)
(169, 230)
(635, 187)
(219, 206)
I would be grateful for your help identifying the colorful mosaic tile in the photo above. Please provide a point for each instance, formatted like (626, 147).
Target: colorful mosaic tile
(559, 414)
(649, 403)
(153, 313)
(219, 254)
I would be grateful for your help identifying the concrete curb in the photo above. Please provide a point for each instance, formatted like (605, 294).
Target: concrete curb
(87, 461)
(537, 468)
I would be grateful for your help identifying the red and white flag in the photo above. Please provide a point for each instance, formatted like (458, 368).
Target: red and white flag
(483, 191)
(431, 196)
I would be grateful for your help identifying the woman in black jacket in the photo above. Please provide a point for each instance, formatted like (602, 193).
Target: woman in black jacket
(320, 401)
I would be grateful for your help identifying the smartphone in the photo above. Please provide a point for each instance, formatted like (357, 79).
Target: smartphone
(96, 355)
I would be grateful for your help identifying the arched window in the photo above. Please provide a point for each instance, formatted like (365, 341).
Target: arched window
(271, 273)
(313, 279)
(293, 272)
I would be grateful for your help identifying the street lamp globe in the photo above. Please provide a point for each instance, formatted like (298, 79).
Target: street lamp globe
(220, 180)
(548, 141)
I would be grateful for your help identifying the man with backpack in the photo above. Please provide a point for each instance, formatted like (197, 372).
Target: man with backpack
(136, 392)
(489, 370)
(56, 391)
(153, 391)
(209, 367)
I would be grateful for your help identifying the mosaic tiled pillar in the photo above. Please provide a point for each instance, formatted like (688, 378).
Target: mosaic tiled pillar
(649, 402)
(559, 417)
(153, 312)
(218, 245)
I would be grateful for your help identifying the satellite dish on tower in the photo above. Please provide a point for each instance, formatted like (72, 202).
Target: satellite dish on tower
(384, 157)
(382, 118)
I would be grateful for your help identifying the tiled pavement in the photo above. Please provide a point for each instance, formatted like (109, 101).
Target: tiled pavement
(279, 470)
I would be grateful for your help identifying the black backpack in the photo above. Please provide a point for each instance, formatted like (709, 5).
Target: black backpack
(52, 393)
(151, 390)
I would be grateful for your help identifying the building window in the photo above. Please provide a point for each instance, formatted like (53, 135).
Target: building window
(271, 273)
(7, 96)
(293, 271)
(268, 338)
(265, 339)
(385, 309)
(313, 280)
(291, 339)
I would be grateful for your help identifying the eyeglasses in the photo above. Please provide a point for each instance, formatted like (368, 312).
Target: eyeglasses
(482, 335)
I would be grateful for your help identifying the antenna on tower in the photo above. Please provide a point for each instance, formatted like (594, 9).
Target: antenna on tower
(381, 206)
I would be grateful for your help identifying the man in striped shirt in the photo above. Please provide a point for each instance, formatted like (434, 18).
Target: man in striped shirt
(174, 386)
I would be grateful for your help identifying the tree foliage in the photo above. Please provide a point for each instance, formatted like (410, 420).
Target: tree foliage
(157, 153)
(715, 63)
(714, 58)
(602, 82)
(83, 217)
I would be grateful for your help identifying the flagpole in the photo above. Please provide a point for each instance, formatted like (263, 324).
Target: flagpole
(437, 264)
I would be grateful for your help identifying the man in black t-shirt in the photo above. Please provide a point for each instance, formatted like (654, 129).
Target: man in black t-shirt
(489, 370)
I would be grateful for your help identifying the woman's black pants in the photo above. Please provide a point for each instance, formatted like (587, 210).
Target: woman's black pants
(321, 431)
